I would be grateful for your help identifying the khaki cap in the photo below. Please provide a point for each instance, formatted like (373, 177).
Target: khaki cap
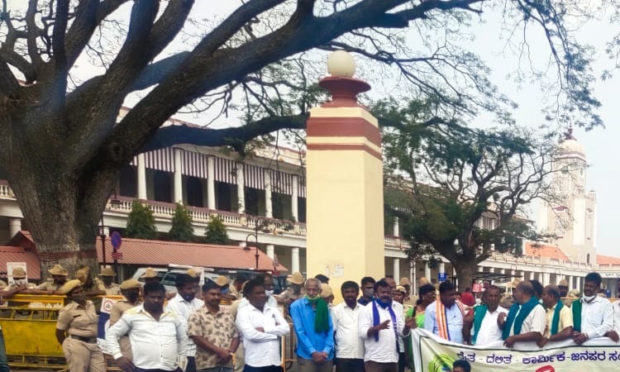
(19, 273)
(326, 290)
(149, 273)
(404, 281)
(69, 286)
(296, 278)
(222, 281)
(563, 283)
(193, 273)
(107, 271)
(400, 288)
(3, 284)
(130, 284)
(423, 281)
(82, 274)
(58, 270)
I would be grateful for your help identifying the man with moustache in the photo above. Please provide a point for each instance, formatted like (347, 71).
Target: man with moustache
(380, 325)
(157, 336)
(592, 315)
(184, 304)
(261, 327)
(213, 330)
(345, 316)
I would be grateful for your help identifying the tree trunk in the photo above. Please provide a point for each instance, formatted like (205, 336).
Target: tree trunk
(465, 270)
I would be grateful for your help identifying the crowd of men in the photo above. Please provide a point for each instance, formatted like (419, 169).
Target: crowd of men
(151, 330)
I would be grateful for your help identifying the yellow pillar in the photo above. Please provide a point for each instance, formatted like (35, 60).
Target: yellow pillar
(345, 238)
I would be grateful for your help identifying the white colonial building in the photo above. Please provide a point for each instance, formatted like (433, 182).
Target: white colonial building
(269, 185)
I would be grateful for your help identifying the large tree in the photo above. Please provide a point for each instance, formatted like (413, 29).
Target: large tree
(63, 143)
(462, 192)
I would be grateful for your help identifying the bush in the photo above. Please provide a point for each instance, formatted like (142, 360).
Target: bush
(181, 230)
(141, 223)
(216, 232)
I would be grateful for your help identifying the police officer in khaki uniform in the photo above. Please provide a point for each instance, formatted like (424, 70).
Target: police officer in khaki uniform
(91, 287)
(76, 330)
(107, 276)
(150, 276)
(130, 289)
(20, 281)
(59, 278)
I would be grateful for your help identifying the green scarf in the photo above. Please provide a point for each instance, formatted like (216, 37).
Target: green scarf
(479, 313)
(526, 308)
(555, 322)
(576, 307)
(321, 319)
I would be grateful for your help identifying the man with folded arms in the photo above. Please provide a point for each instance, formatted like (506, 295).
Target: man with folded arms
(261, 327)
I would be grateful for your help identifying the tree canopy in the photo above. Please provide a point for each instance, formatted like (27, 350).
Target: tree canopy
(462, 192)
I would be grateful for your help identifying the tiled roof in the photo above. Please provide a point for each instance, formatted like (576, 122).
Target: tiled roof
(19, 254)
(607, 260)
(163, 253)
(544, 250)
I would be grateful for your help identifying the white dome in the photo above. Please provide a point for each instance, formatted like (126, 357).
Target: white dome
(570, 145)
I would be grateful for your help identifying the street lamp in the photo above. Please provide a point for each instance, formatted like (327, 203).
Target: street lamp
(260, 222)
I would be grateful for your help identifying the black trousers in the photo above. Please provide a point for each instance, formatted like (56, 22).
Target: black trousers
(248, 368)
(349, 365)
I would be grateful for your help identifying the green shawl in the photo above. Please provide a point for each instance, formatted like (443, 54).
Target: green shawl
(321, 319)
(479, 313)
(555, 321)
(576, 308)
(517, 320)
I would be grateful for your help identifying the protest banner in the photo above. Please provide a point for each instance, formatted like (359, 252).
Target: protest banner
(433, 354)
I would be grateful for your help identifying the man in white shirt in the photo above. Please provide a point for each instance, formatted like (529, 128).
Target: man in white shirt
(349, 345)
(380, 325)
(526, 319)
(158, 338)
(483, 319)
(592, 315)
(184, 304)
(261, 327)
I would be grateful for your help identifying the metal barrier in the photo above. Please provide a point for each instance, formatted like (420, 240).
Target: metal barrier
(29, 327)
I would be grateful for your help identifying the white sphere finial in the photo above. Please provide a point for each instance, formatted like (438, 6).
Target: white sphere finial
(340, 63)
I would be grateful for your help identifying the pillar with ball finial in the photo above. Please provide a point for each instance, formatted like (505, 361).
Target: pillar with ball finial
(344, 172)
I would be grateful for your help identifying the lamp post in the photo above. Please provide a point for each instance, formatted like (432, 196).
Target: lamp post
(257, 225)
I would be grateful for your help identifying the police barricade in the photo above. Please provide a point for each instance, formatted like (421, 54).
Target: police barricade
(29, 327)
(433, 354)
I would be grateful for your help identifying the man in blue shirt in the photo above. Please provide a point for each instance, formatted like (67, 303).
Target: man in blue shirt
(444, 317)
(314, 330)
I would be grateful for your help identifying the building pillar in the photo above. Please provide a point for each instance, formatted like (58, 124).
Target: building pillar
(240, 189)
(270, 251)
(294, 198)
(427, 272)
(178, 177)
(413, 275)
(396, 231)
(268, 203)
(396, 269)
(546, 279)
(211, 183)
(344, 181)
(295, 260)
(15, 226)
(141, 177)
(532, 275)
